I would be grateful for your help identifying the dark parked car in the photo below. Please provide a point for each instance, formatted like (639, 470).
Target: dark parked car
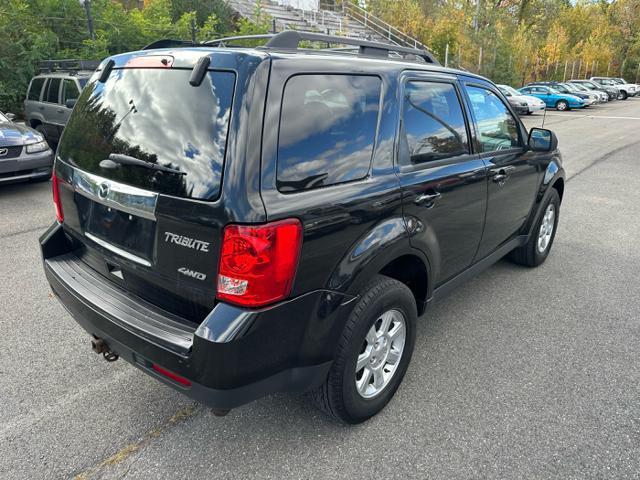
(236, 222)
(611, 92)
(24, 154)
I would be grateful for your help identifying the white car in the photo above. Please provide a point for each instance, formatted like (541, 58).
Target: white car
(534, 104)
(625, 90)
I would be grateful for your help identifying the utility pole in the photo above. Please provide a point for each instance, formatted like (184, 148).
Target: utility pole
(446, 56)
(87, 8)
(564, 75)
(193, 31)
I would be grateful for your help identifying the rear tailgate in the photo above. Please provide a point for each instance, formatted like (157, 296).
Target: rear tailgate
(152, 222)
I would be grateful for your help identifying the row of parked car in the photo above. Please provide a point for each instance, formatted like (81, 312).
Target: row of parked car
(562, 96)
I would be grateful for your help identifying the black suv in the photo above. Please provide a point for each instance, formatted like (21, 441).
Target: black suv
(242, 221)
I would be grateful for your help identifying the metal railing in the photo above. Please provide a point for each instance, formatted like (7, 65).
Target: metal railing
(379, 26)
(322, 19)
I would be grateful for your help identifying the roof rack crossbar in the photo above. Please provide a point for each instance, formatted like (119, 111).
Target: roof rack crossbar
(290, 39)
(70, 65)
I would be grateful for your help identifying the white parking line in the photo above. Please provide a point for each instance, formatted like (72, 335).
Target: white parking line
(591, 116)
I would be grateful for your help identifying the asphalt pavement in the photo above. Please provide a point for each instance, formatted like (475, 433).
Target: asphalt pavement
(520, 373)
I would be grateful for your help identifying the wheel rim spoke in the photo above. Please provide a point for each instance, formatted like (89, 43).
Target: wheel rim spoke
(397, 332)
(371, 335)
(393, 357)
(363, 361)
(386, 321)
(378, 378)
(363, 383)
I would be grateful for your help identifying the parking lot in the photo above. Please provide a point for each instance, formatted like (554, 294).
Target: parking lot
(518, 374)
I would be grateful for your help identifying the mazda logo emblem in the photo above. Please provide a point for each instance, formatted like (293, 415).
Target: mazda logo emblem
(3, 151)
(103, 190)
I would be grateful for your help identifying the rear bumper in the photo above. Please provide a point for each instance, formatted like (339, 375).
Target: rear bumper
(232, 357)
(28, 166)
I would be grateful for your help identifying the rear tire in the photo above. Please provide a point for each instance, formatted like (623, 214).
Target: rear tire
(41, 130)
(622, 95)
(536, 250)
(354, 395)
(562, 105)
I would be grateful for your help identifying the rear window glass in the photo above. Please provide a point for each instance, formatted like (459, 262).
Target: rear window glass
(156, 116)
(69, 91)
(36, 88)
(327, 130)
(54, 90)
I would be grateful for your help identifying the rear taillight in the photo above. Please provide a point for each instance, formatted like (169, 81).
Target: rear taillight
(56, 198)
(258, 262)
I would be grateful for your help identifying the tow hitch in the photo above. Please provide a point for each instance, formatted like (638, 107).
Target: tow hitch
(99, 346)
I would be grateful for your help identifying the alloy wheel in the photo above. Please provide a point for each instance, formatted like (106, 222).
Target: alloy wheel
(380, 354)
(546, 228)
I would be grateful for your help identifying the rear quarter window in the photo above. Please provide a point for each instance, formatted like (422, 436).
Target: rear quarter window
(35, 89)
(328, 126)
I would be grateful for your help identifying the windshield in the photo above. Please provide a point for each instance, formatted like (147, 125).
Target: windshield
(507, 89)
(554, 91)
(156, 117)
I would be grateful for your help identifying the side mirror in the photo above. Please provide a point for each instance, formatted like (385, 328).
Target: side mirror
(10, 116)
(71, 103)
(542, 140)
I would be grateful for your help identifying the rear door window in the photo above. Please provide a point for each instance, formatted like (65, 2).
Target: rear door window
(433, 122)
(157, 117)
(327, 132)
(53, 92)
(35, 89)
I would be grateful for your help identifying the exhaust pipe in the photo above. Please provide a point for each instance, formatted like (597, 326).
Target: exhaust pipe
(99, 346)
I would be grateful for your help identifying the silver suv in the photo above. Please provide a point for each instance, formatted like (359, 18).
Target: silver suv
(53, 93)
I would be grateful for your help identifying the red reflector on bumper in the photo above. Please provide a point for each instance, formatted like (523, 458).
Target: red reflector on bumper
(173, 376)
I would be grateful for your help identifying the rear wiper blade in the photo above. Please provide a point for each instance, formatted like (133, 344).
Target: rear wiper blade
(116, 159)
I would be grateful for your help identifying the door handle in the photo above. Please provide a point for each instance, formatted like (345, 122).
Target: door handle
(501, 174)
(427, 199)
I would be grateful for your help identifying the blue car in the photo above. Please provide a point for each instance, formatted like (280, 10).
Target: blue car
(553, 98)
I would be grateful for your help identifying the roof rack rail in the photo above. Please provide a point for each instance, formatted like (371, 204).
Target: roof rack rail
(222, 42)
(290, 39)
(69, 65)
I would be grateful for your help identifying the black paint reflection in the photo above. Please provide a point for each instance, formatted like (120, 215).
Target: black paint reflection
(327, 130)
(156, 116)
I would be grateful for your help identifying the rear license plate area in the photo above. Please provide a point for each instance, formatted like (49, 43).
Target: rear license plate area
(127, 231)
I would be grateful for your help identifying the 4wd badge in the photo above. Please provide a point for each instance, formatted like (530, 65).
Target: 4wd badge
(192, 273)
